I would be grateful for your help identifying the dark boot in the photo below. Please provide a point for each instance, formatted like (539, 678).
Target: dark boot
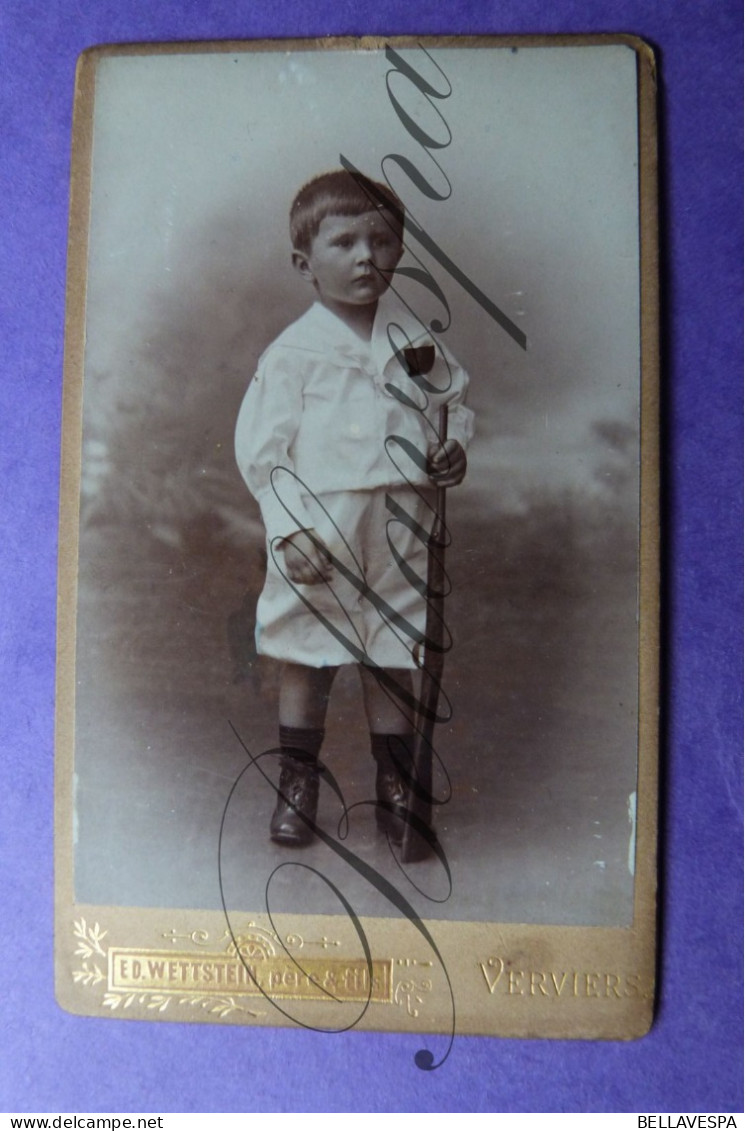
(298, 791)
(391, 789)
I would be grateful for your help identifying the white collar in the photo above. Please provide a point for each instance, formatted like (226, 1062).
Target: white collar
(394, 322)
(319, 330)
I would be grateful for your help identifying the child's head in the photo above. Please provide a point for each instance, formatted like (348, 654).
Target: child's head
(339, 193)
(347, 239)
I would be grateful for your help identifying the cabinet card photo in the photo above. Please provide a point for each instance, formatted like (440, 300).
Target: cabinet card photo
(358, 590)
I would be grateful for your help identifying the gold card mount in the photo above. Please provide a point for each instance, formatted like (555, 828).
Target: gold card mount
(524, 237)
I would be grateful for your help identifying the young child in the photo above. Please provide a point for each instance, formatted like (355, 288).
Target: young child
(337, 440)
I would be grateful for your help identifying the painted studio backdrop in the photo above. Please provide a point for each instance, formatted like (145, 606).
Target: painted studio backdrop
(196, 158)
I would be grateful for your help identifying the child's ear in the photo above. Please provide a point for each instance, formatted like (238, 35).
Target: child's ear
(303, 267)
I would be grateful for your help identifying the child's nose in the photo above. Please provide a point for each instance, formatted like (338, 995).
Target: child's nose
(364, 250)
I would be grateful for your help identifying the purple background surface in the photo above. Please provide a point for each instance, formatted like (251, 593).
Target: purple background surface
(691, 1061)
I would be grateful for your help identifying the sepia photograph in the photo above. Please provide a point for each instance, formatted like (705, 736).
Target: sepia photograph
(371, 440)
(356, 402)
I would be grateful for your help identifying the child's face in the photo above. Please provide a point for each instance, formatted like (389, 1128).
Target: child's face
(351, 258)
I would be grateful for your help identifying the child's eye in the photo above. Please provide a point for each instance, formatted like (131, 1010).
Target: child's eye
(343, 241)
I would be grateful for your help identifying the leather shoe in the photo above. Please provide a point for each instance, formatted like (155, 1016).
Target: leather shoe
(298, 793)
(391, 791)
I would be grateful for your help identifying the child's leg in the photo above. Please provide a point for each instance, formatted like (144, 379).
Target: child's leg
(386, 712)
(391, 743)
(304, 695)
(304, 698)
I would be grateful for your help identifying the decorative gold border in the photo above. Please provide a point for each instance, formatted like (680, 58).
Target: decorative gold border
(250, 959)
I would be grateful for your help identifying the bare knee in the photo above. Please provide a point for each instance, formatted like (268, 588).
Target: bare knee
(304, 694)
(387, 694)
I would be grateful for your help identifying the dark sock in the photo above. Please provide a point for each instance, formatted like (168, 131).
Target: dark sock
(301, 744)
(393, 750)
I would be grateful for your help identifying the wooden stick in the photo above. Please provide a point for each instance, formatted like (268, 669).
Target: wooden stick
(418, 835)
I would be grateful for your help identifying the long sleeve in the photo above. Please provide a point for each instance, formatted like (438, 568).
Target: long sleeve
(460, 418)
(327, 412)
(267, 425)
(444, 382)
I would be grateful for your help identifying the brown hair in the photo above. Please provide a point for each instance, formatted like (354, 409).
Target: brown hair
(339, 193)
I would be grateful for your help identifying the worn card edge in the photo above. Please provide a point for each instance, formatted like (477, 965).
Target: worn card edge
(637, 940)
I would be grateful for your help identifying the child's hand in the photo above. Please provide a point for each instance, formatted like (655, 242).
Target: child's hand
(306, 564)
(446, 463)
